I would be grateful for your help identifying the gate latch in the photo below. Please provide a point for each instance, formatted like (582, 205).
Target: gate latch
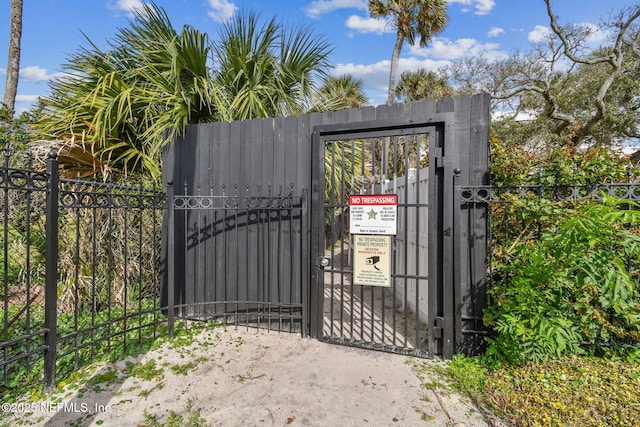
(438, 327)
(322, 262)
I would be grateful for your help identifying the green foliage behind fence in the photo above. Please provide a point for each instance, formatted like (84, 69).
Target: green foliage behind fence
(572, 290)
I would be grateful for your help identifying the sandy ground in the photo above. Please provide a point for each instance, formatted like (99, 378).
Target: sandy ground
(248, 377)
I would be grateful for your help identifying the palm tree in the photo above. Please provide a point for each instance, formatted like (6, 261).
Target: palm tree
(268, 70)
(13, 62)
(340, 92)
(124, 103)
(414, 20)
(421, 84)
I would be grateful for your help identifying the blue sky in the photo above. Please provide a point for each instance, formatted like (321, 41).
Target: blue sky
(362, 46)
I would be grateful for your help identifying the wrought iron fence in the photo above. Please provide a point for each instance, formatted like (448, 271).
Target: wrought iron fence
(108, 268)
(81, 269)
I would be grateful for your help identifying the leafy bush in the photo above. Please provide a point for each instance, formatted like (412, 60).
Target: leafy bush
(551, 161)
(576, 285)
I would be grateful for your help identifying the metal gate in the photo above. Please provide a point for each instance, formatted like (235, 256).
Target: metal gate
(423, 306)
(372, 159)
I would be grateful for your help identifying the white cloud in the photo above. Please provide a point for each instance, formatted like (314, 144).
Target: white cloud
(482, 7)
(29, 99)
(539, 34)
(441, 53)
(375, 77)
(444, 48)
(366, 25)
(35, 74)
(592, 37)
(596, 34)
(495, 32)
(320, 7)
(221, 10)
(520, 116)
(406, 64)
(128, 6)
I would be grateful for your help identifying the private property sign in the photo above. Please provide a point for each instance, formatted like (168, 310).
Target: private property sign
(373, 214)
(372, 260)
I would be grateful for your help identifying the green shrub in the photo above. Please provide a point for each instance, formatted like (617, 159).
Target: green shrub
(576, 285)
(550, 160)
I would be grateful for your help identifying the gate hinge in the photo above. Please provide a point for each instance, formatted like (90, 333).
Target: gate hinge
(438, 326)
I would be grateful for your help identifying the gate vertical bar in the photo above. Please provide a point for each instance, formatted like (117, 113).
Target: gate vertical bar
(51, 270)
(460, 245)
(447, 231)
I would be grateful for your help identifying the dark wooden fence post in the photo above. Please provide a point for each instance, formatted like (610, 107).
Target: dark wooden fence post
(304, 244)
(170, 259)
(51, 276)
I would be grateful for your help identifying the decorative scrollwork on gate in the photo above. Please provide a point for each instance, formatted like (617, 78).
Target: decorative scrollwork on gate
(560, 193)
(87, 195)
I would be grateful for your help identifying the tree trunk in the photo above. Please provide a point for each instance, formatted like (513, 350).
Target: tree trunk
(13, 63)
(395, 58)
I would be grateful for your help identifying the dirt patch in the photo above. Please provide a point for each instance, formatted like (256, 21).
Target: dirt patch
(248, 377)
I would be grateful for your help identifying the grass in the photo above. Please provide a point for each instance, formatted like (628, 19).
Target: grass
(147, 371)
(576, 391)
(184, 368)
(192, 419)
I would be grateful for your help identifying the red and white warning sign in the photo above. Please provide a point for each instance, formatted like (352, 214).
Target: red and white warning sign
(373, 214)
